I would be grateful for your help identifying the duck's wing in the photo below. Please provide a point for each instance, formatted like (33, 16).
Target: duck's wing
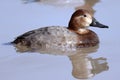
(33, 34)
(23, 37)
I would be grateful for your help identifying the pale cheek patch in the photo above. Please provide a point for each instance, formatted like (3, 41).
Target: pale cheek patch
(89, 20)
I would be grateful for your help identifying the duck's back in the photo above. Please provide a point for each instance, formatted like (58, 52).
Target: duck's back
(47, 37)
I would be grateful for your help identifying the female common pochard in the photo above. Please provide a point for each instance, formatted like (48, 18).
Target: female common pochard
(76, 35)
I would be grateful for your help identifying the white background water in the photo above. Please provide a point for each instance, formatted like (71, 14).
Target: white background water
(17, 18)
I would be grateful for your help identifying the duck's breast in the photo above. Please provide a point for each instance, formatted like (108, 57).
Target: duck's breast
(89, 39)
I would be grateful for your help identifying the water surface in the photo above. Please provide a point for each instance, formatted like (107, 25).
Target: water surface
(17, 18)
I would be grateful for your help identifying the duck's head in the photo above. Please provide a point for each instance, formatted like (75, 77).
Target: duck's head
(81, 20)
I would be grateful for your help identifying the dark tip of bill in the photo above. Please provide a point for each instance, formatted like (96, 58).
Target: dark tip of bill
(105, 27)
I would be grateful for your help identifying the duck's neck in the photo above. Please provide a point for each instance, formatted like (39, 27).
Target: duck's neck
(79, 30)
(71, 27)
(83, 31)
(75, 27)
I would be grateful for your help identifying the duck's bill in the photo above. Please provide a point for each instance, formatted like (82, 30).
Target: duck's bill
(95, 23)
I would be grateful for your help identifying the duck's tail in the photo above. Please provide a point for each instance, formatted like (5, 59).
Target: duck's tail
(22, 45)
(8, 43)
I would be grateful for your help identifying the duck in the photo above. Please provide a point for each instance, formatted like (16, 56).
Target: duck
(58, 3)
(76, 35)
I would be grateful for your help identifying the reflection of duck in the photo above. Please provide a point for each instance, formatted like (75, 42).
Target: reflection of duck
(76, 35)
(84, 66)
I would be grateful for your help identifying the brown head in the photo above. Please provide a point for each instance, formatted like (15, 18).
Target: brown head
(81, 19)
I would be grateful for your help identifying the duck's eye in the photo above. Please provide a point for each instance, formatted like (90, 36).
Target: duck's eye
(85, 15)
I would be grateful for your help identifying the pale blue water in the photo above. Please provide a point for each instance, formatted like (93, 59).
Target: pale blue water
(17, 18)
